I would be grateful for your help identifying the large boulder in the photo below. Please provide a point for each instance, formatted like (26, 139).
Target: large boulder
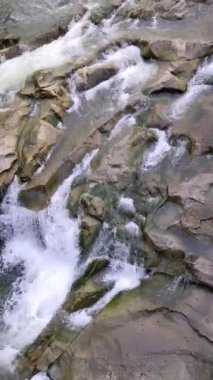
(149, 333)
(93, 206)
(34, 145)
(89, 230)
(171, 50)
(202, 270)
(196, 196)
(197, 124)
(12, 121)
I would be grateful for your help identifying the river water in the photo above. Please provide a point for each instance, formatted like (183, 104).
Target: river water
(41, 248)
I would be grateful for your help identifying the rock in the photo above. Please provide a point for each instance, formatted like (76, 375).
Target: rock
(170, 327)
(12, 121)
(89, 230)
(91, 76)
(93, 206)
(85, 296)
(166, 81)
(104, 9)
(96, 266)
(166, 243)
(172, 50)
(157, 117)
(34, 145)
(202, 270)
(74, 198)
(83, 137)
(9, 47)
(197, 198)
(185, 69)
(116, 160)
(31, 21)
(190, 123)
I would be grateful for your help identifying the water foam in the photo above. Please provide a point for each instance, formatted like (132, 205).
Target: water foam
(159, 150)
(133, 229)
(126, 204)
(69, 48)
(45, 245)
(125, 277)
(40, 376)
(197, 86)
(127, 85)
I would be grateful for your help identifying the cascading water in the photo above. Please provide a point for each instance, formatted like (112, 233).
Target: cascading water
(45, 245)
(121, 273)
(198, 85)
(40, 249)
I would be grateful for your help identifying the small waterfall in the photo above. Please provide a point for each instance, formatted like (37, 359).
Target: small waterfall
(197, 86)
(45, 245)
(159, 150)
(121, 273)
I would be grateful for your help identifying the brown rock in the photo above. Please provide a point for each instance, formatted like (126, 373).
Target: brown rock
(145, 334)
(36, 141)
(202, 270)
(197, 124)
(172, 50)
(93, 206)
(89, 230)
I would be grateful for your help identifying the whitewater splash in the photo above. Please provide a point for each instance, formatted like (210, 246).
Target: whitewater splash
(197, 86)
(40, 376)
(45, 246)
(80, 45)
(163, 148)
(159, 150)
(121, 273)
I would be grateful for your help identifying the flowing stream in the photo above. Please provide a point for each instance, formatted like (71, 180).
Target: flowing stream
(40, 253)
(45, 246)
(42, 247)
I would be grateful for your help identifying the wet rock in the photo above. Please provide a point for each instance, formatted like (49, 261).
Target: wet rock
(197, 124)
(157, 117)
(91, 76)
(167, 82)
(9, 47)
(185, 69)
(95, 267)
(172, 50)
(31, 21)
(202, 270)
(12, 121)
(89, 230)
(104, 9)
(34, 145)
(74, 198)
(115, 160)
(93, 206)
(85, 296)
(83, 136)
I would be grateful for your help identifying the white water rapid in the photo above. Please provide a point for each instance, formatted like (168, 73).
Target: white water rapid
(121, 273)
(40, 256)
(45, 245)
(197, 86)
(42, 247)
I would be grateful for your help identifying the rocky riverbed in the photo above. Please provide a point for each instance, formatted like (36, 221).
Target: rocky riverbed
(106, 178)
